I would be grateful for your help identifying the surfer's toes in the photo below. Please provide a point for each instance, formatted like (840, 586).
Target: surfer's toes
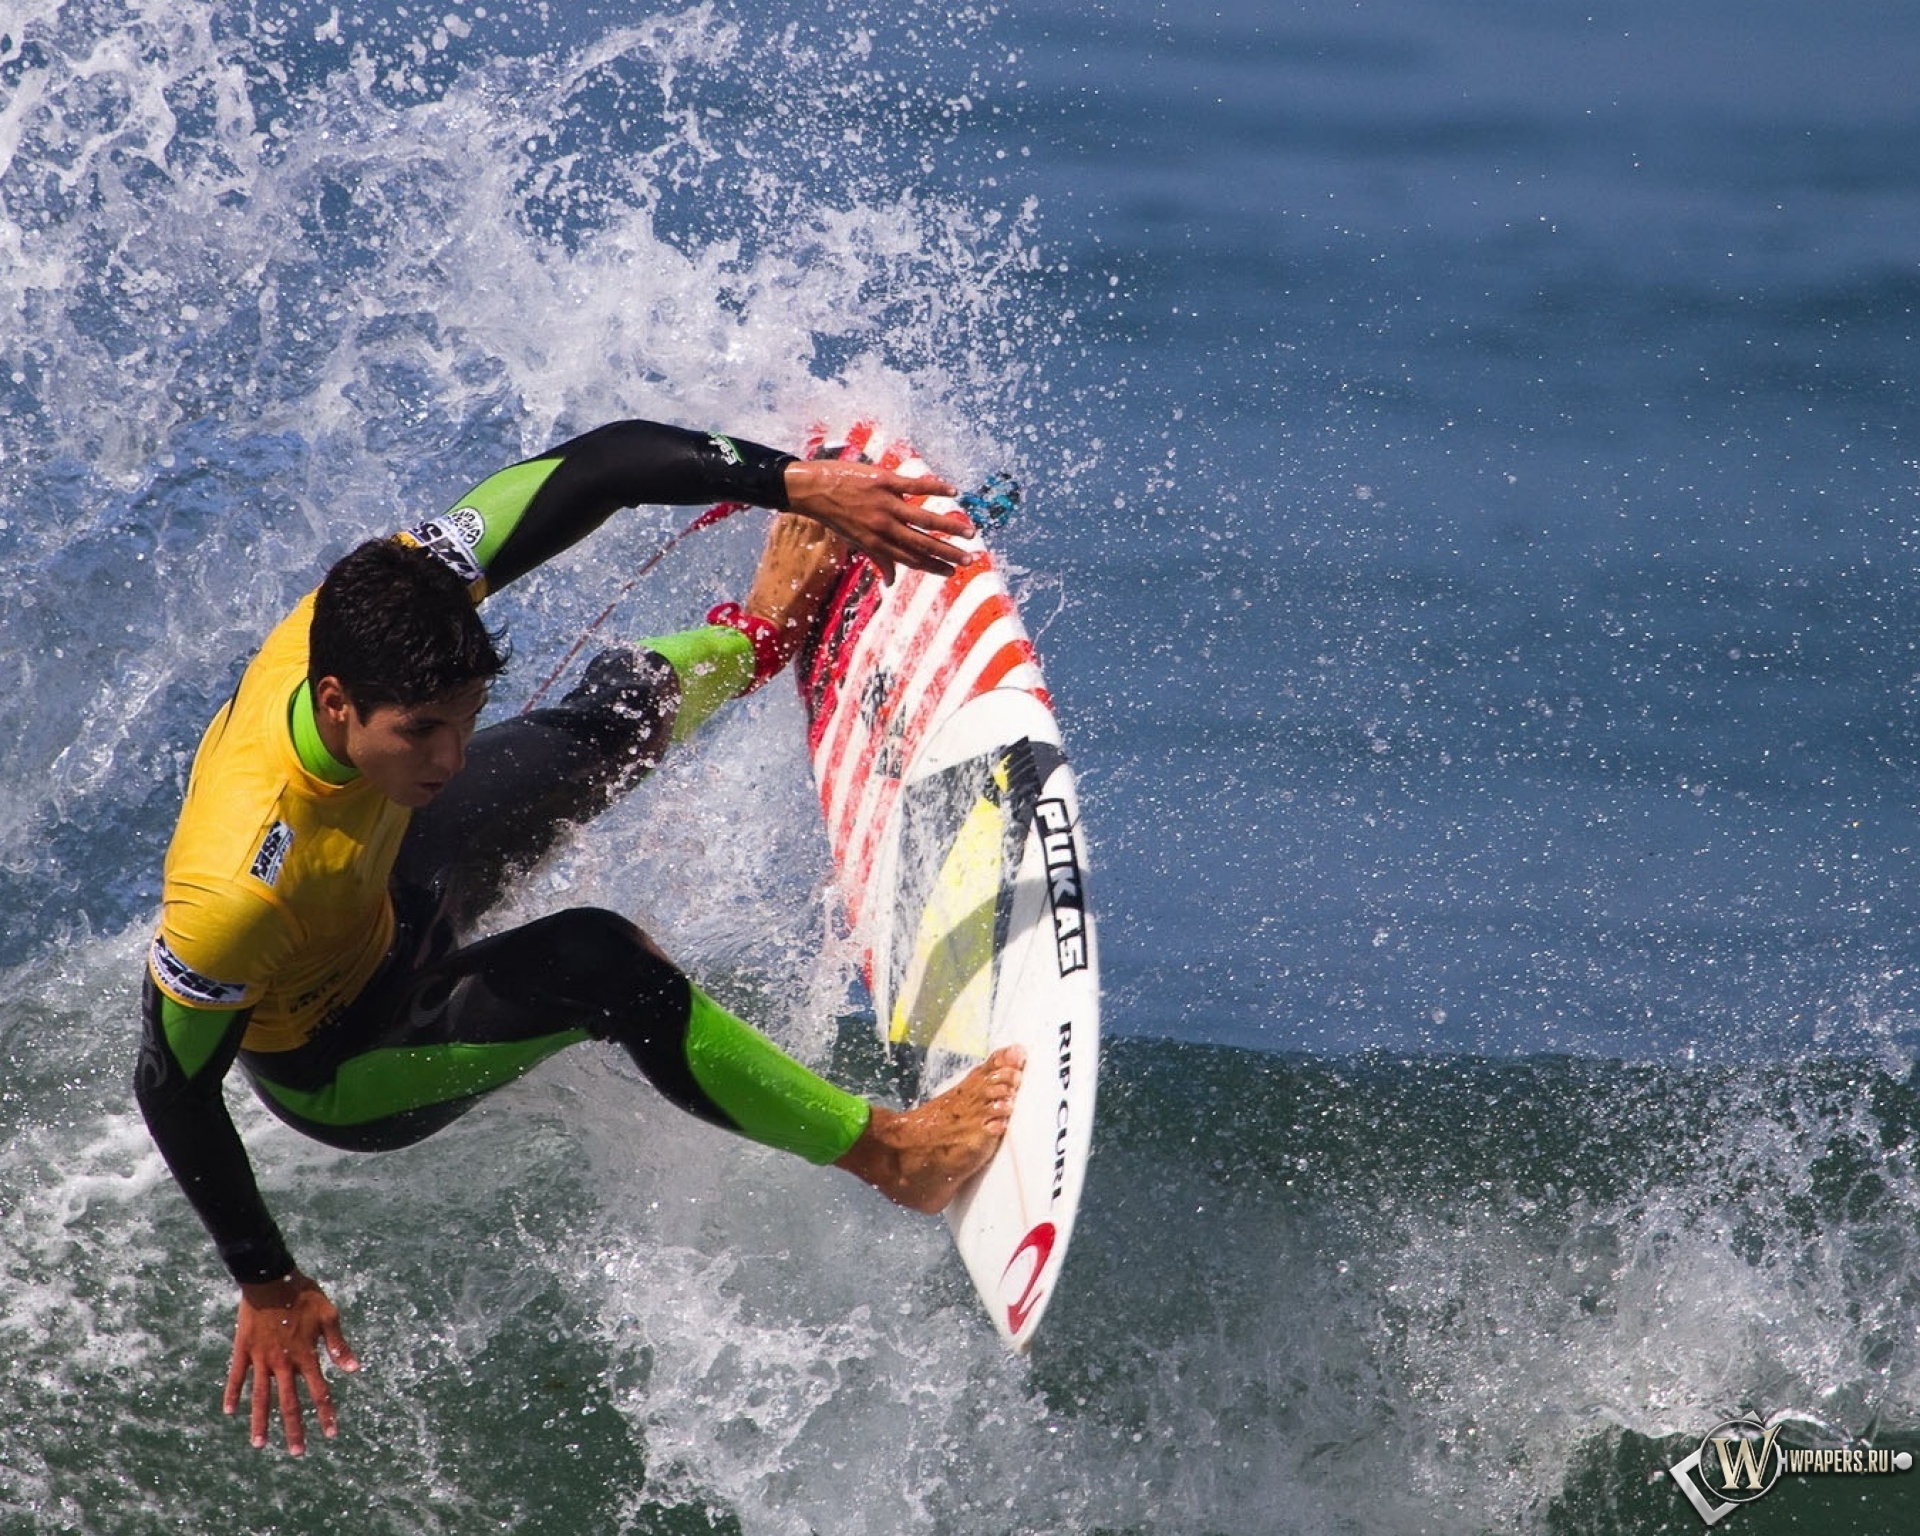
(1001, 1073)
(922, 1157)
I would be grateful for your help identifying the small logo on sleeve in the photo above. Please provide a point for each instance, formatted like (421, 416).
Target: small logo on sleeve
(454, 540)
(175, 976)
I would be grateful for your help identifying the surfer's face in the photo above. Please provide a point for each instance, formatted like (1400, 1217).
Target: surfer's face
(408, 752)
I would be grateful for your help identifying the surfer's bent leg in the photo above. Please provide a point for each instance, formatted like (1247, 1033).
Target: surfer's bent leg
(427, 1049)
(528, 778)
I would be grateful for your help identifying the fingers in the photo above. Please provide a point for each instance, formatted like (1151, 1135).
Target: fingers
(338, 1349)
(275, 1380)
(922, 551)
(917, 526)
(257, 1422)
(917, 512)
(276, 1347)
(322, 1400)
(243, 1366)
(853, 473)
(236, 1374)
(341, 1355)
(882, 512)
(919, 487)
(291, 1422)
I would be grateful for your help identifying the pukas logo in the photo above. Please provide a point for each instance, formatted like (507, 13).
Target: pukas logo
(1742, 1460)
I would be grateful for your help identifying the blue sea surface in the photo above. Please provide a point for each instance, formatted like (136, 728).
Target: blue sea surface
(1470, 462)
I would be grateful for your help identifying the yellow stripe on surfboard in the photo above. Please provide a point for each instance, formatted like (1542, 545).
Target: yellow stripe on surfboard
(947, 992)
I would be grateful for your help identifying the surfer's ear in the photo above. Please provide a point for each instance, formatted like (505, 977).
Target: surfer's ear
(331, 701)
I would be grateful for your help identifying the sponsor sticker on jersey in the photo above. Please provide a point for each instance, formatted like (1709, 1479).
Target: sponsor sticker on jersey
(181, 980)
(454, 540)
(274, 848)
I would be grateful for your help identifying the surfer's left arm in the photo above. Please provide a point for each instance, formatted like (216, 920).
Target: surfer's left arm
(879, 511)
(529, 512)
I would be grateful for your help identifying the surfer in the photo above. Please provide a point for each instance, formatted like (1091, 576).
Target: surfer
(345, 824)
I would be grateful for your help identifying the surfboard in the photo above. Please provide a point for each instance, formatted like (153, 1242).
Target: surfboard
(956, 838)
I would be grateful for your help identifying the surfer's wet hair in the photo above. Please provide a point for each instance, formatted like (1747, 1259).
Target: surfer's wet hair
(393, 625)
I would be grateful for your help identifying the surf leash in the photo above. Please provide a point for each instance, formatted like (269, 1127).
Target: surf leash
(713, 514)
(993, 503)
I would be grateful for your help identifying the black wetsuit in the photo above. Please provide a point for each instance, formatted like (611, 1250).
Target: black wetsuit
(404, 1028)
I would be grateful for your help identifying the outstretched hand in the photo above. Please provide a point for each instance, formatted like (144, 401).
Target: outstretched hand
(881, 512)
(276, 1342)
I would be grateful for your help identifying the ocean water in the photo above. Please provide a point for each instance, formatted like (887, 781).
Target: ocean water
(1470, 453)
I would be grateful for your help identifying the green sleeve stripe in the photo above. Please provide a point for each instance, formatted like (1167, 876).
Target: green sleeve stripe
(714, 664)
(501, 500)
(766, 1093)
(390, 1082)
(194, 1034)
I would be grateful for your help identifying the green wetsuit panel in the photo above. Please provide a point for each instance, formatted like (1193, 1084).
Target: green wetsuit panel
(194, 1034)
(714, 663)
(770, 1096)
(383, 1083)
(502, 500)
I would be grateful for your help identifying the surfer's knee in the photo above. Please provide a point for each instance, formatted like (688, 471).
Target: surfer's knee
(589, 961)
(598, 931)
(629, 966)
(624, 705)
(691, 1049)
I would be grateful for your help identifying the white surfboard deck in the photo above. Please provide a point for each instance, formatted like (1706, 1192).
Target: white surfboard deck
(955, 829)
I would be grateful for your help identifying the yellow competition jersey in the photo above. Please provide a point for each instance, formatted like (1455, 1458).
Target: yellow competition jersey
(275, 887)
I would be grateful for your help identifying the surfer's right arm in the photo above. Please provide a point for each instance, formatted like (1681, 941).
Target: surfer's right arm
(185, 1054)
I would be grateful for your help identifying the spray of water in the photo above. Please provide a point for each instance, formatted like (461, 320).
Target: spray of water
(276, 278)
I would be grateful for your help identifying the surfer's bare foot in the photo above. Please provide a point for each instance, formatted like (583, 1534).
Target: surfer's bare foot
(920, 1157)
(797, 571)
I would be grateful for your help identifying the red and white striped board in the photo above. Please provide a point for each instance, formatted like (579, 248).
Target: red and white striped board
(955, 830)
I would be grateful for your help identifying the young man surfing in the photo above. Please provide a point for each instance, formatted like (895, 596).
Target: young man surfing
(344, 825)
